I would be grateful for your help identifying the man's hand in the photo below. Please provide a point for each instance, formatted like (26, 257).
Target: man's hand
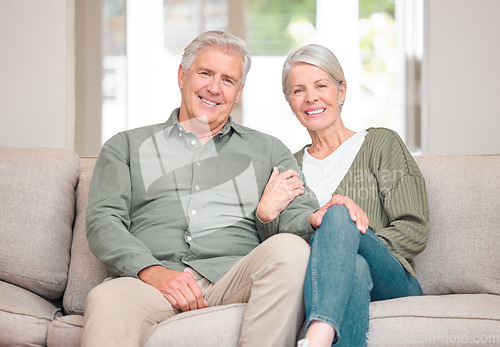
(358, 216)
(178, 287)
(280, 190)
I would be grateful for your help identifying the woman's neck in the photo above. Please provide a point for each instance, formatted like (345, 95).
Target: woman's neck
(325, 142)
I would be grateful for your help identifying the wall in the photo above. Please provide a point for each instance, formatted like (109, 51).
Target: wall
(36, 69)
(37, 87)
(88, 48)
(462, 77)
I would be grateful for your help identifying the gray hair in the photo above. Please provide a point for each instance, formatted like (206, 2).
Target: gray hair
(316, 55)
(220, 39)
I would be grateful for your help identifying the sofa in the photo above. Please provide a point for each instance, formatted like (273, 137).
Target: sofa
(46, 268)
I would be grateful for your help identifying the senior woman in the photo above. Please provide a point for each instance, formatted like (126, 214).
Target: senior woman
(374, 218)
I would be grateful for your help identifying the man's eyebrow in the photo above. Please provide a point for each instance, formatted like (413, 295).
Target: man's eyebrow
(230, 77)
(202, 68)
(210, 71)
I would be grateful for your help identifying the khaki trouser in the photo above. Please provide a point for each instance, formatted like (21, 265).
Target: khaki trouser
(125, 311)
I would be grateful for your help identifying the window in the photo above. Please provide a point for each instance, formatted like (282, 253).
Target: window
(369, 37)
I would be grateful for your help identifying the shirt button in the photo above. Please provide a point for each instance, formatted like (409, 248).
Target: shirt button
(198, 163)
(180, 134)
(189, 238)
(193, 212)
(193, 142)
(197, 187)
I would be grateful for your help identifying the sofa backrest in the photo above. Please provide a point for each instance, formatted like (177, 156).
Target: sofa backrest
(37, 197)
(85, 270)
(462, 255)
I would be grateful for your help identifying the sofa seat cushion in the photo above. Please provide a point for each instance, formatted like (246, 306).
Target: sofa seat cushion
(24, 316)
(65, 331)
(37, 203)
(213, 326)
(460, 319)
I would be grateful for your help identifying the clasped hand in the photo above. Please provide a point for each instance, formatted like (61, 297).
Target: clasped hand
(282, 188)
(357, 215)
(178, 287)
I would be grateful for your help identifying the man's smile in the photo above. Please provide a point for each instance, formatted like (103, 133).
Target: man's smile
(208, 102)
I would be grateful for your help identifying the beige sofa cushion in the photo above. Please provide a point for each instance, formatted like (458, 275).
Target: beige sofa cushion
(24, 316)
(444, 320)
(85, 270)
(463, 251)
(37, 202)
(65, 331)
(209, 327)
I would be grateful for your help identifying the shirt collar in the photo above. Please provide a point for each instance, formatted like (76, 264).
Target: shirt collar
(172, 124)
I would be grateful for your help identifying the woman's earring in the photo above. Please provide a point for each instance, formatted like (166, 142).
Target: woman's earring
(341, 103)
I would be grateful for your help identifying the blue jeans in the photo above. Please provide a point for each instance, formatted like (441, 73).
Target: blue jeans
(346, 271)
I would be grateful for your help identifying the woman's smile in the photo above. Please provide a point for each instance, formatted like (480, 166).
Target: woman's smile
(315, 112)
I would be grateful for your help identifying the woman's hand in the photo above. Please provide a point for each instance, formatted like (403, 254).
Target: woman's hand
(280, 190)
(358, 216)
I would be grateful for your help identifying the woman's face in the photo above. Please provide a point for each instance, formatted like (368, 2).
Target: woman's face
(314, 97)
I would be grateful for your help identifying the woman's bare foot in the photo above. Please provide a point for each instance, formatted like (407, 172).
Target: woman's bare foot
(320, 334)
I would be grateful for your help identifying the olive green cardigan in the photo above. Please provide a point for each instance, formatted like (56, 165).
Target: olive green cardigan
(386, 183)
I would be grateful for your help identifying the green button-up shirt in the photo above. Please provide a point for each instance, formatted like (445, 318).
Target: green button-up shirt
(160, 197)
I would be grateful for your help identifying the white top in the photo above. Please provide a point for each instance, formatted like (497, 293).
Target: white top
(324, 175)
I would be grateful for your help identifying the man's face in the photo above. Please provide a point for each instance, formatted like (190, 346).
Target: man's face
(210, 87)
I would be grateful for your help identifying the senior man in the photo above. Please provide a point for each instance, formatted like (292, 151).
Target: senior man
(174, 214)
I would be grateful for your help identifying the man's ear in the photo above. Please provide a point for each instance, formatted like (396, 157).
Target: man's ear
(239, 94)
(180, 76)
